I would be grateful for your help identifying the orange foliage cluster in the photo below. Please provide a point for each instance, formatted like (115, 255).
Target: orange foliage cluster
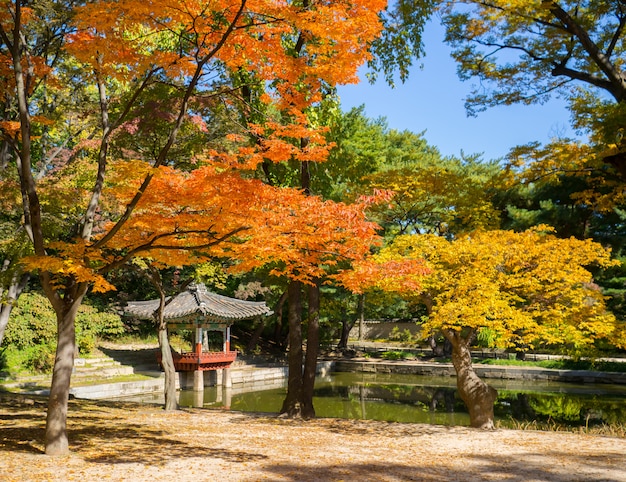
(131, 38)
(182, 217)
(186, 218)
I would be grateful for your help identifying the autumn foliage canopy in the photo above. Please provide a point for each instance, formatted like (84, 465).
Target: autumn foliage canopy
(200, 50)
(509, 289)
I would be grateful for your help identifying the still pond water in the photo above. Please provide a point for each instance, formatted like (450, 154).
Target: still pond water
(418, 399)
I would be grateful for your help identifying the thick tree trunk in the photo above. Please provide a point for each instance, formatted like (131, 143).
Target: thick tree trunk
(56, 420)
(312, 349)
(291, 405)
(477, 395)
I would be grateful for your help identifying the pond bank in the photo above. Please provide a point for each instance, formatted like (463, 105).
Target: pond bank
(141, 362)
(484, 371)
(257, 375)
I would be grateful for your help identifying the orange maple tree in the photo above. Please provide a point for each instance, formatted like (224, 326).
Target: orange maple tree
(136, 202)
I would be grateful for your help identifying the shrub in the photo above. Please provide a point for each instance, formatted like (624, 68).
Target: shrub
(33, 323)
(396, 355)
(92, 324)
(404, 336)
(40, 358)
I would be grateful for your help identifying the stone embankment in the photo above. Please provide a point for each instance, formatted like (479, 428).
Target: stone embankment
(126, 371)
(484, 371)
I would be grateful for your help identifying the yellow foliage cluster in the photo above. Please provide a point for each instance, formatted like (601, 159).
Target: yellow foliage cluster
(534, 164)
(525, 288)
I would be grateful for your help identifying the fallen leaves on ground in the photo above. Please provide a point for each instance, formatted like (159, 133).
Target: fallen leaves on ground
(123, 441)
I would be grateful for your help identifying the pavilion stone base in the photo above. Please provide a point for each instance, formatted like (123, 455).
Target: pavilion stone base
(199, 379)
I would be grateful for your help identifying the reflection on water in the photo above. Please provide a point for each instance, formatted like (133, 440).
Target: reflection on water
(417, 399)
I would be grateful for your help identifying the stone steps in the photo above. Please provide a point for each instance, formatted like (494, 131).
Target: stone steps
(94, 370)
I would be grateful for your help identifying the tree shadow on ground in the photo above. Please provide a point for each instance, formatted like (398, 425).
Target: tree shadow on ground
(99, 436)
(504, 469)
(553, 466)
(358, 427)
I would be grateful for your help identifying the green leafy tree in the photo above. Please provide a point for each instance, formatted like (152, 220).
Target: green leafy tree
(434, 194)
(525, 52)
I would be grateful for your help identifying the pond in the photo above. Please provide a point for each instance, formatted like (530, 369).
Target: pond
(433, 400)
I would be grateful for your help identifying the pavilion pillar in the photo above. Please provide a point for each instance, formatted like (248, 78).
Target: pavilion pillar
(198, 340)
(198, 381)
(227, 396)
(227, 339)
(227, 381)
(198, 375)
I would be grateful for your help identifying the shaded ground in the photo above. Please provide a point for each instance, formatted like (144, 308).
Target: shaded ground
(116, 441)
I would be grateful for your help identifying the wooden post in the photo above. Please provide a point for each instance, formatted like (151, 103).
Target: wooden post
(227, 339)
(198, 341)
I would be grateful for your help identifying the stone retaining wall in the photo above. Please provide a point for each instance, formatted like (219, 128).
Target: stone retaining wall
(119, 389)
(241, 376)
(484, 371)
(244, 376)
(381, 330)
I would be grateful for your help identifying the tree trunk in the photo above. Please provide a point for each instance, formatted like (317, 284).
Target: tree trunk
(13, 291)
(167, 362)
(477, 395)
(56, 419)
(346, 328)
(361, 315)
(278, 328)
(171, 403)
(312, 348)
(256, 336)
(291, 405)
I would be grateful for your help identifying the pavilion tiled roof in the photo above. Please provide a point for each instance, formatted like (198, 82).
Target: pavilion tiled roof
(198, 300)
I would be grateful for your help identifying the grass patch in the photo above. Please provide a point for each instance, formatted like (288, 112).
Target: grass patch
(565, 364)
(136, 339)
(397, 355)
(607, 430)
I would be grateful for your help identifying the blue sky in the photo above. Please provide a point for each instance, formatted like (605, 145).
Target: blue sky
(433, 100)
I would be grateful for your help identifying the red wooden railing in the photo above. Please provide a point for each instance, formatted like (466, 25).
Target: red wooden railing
(191, 361)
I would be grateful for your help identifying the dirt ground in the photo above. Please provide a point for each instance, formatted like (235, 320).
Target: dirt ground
(132, 442)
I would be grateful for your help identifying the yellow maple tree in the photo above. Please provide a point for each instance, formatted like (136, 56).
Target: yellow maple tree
(510, 289)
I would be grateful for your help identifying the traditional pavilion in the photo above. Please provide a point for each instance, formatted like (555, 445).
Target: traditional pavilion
(202, 312)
